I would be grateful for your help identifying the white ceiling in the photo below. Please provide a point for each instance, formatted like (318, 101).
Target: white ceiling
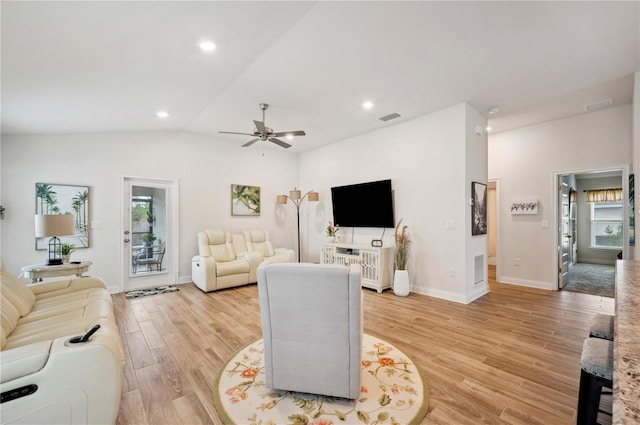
(71, 67)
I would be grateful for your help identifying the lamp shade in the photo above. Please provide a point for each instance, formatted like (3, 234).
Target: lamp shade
(295, 194)
(54, 225)
(282, 199)
(313, 196)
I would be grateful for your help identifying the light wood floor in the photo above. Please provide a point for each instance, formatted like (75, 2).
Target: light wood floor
(511, 357)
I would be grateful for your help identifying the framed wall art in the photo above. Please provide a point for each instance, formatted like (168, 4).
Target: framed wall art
(65, 199)
(478, 209)
(245, 200)
(529, 206)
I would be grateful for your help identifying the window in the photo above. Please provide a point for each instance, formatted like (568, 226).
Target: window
(606, 225)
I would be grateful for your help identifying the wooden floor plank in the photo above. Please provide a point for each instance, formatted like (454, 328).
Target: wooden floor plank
(509, 358)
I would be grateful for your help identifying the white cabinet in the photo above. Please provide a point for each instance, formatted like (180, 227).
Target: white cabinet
(376, 263)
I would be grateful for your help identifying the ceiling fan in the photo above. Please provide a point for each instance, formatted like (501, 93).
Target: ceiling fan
(264, 133)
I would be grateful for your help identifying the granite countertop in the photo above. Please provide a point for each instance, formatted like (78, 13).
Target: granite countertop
(626, 349)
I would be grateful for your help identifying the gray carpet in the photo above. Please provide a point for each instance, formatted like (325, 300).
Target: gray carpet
(594, 279)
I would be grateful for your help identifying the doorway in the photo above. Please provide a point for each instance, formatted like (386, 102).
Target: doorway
(591, 232)
(149, 233)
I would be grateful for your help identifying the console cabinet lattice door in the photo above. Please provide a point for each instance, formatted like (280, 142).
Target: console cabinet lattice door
(375, 262)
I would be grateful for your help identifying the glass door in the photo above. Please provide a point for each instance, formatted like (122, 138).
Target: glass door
(148, 240)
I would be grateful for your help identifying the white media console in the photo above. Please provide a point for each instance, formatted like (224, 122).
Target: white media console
(376, 262)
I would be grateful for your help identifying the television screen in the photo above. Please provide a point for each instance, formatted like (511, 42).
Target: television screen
(363, 205)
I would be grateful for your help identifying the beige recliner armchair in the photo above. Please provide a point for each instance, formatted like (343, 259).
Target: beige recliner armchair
(218, 265)
(312, 327)
(259, 241)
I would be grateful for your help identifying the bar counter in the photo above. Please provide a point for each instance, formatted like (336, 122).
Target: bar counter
(626, 347)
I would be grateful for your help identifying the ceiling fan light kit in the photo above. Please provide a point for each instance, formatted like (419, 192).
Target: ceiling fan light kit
(264, 133)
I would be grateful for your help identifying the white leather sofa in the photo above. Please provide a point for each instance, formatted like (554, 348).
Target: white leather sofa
(259, 241)
(312, 327)
(44, 379)
(226, 260)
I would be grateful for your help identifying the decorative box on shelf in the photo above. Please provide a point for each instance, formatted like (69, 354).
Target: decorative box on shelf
(375, 262)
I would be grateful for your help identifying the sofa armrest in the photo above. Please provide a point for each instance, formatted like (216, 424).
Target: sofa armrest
(203, 273)
(289, 253)
(64, 286)
(77, 384)
(254, 258)
(25, 360)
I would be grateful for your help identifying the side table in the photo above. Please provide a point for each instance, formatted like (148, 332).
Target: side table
(38, 271)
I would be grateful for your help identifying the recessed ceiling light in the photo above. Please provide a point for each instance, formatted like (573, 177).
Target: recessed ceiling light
(162, 114)
(488, 128)
(207, 46)
(367, 105)
(289, 136)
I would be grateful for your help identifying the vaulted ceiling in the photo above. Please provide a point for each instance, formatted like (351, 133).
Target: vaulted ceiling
(75, 67)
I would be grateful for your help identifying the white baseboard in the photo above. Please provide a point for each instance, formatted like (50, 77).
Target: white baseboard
(525, 282)
(185, 279)
(477, 292)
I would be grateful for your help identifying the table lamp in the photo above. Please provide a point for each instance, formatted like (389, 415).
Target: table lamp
(54, 225)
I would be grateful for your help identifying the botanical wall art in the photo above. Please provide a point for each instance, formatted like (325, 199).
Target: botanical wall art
(479, 209)
(245, 200)
(526, 207)
(65, 199)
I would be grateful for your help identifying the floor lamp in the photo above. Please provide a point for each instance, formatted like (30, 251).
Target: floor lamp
(54, 225)
(296, 197)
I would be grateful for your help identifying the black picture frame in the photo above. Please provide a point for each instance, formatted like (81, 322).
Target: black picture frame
(478, 208)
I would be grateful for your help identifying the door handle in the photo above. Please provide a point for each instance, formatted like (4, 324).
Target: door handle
(126, 240)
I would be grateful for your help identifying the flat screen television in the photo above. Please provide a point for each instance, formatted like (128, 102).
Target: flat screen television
(363, 205)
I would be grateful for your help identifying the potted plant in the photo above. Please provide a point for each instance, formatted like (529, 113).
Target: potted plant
(401, 275)
(66, 249)
(148, 239)
(331, 232)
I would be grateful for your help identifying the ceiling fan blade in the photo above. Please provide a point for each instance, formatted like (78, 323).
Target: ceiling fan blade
(233, 132)
(279, 142)
(289, 133)
(260, 126)
(250, 142)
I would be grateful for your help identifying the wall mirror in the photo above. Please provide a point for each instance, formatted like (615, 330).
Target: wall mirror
(65, 199)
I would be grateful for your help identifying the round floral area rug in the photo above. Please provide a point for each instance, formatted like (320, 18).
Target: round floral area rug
(392, 392)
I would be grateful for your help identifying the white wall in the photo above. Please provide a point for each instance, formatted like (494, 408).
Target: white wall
(525, 160)
(204, 167)
(425, 159)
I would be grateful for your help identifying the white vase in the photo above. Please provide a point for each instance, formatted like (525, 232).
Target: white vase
(329, 239)
(66, 258)
(401, 283)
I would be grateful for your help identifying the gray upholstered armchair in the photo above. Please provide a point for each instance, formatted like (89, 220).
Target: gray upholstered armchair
(312, 326)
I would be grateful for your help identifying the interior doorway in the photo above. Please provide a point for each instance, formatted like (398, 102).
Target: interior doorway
(592, 228)
(149, 233)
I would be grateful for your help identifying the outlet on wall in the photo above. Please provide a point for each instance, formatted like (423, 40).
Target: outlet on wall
(517, 261)
(452, 272)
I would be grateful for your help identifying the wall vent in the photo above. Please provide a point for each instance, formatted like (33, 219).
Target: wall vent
(478, 275)
(389, 117)
(603, 104)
